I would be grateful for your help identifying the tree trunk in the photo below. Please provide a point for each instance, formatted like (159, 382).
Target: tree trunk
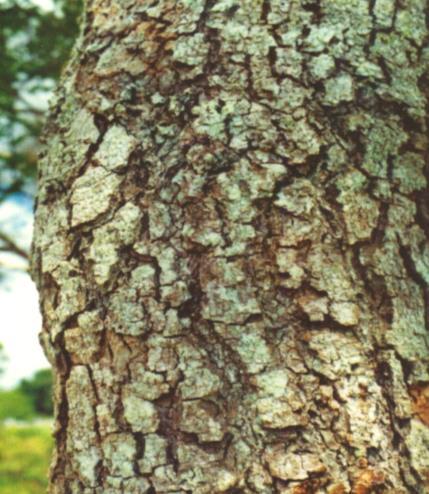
(231, 249)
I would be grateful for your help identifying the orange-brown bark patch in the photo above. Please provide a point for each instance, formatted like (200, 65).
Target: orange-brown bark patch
(367, 480)
(420, 404)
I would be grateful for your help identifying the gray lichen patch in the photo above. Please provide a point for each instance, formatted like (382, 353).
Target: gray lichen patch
(306, 140)
(299, 199)
(339, 89)
(83, 128)
(230, 305)
(167, 258)
(278, 405)
(55, 248)
(91, 194)
(288, 62)
(419, 252)
(292, 466)
(274, 382)
(72, 299)
(198, 383)
(249, 183)
(400, 391)
(106, 418)
(191, 51)
(314, 306)
(102, 23)
(320, 36)
(418, 443)
(275, 413)
(240, 38)
(331, 275)
(209, 120)
(119, 454)
(132, 485)
(67, 153)
(386, 139)
(116, 59)
(408, 333)
(253, 349)
(155, 453)
(199, 418)
(384, 11)
(121, 230)
(81, 434)
(345, 313)
(289, 265)
(140, 414)
(145, 384)
(191, 455)
(127, 316)
(409, 172)
(259, 478)
(162, 354)
(362, 416)
(226, 480)
(164, 477)
(361, 214)
(82, 346)
(159, 219)
(90, 321)
(322, 66)
(115, 148)
(336, 353)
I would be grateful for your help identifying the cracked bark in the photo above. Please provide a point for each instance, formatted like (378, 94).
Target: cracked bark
(231, 249)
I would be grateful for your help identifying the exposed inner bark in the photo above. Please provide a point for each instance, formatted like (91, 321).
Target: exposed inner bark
(231, 249)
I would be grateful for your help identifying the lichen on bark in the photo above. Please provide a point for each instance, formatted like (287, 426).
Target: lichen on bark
(231, 249)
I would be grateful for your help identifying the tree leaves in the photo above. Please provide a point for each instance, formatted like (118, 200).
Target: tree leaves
(34, 45)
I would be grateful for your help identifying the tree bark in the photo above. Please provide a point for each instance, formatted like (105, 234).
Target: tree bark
(231, 249)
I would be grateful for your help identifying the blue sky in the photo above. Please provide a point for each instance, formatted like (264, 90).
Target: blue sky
(46, 4)
(20, 317)
(19, 310)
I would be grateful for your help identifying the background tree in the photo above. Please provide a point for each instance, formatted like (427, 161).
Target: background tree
(34, 44)
(231, 249)
(39, 389)
(31, 398)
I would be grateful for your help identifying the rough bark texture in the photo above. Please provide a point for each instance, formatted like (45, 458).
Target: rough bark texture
(231, 249)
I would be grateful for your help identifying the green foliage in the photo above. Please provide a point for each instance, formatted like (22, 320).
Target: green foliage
(34, 44)
(15, 404)
(24, 459)
(31, 398)
(39, 389)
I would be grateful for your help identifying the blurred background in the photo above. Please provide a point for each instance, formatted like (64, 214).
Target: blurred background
(35, 39)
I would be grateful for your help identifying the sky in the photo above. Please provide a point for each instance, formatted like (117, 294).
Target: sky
(19, 309)
(45, 4)
(20, 316)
